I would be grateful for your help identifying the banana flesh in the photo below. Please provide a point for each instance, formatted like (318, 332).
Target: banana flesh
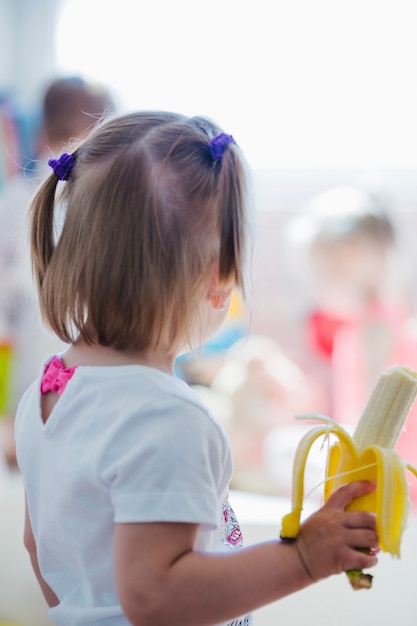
(368, 455)
(385, 414)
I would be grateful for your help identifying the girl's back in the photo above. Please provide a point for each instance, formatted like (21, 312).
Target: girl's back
(103, 457)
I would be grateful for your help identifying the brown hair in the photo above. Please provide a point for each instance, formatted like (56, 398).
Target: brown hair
(149, 213)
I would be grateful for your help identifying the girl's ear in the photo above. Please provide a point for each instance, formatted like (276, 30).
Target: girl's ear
(221, 300)
(219, 295)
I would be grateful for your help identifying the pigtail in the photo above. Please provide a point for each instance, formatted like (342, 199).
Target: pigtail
(42, 228)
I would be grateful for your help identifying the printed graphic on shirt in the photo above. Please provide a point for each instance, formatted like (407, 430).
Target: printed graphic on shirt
(231, 533)
(232, 537)
(244, 621)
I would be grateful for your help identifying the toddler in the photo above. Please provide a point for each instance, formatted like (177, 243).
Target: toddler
(125, 470)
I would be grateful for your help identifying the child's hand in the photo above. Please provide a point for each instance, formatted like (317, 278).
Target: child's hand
(328, 540)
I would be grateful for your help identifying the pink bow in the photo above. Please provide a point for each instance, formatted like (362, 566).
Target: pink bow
(56, 376)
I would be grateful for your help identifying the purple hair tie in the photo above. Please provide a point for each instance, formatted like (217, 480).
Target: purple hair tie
(218, 145)
(63, 166)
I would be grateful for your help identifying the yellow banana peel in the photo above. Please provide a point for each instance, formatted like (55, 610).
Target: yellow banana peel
(367, 455)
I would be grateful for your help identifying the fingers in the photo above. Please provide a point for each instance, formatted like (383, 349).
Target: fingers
(359, 538)
(343, 496)
(333, 540)
(360, 560)
(360, 519)
(338, 550)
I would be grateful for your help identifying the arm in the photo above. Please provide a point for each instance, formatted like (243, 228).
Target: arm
(30, 545)
(160, 579)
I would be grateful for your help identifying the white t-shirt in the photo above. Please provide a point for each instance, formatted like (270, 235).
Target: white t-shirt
(122, 444)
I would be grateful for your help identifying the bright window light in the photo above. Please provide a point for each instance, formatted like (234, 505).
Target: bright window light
(326, 84)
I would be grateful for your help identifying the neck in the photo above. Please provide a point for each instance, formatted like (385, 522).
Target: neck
(81, 353)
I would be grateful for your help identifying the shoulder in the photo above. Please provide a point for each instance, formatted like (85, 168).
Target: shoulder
(137, 404)
(168, 437)
(168, 407)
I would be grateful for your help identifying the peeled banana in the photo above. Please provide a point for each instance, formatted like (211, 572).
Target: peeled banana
(368, 455)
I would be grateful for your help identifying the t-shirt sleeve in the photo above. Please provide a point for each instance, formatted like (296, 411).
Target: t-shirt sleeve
(169, 463)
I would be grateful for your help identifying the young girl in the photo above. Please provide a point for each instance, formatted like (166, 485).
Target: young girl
(126, 472)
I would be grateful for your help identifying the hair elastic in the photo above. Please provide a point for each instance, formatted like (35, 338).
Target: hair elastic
(63, 166)
(218, 145)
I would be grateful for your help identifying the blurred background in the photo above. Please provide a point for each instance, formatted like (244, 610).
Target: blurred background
(321, 97)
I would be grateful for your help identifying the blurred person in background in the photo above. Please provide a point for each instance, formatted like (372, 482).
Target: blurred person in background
(360, 320)
(70, 108)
